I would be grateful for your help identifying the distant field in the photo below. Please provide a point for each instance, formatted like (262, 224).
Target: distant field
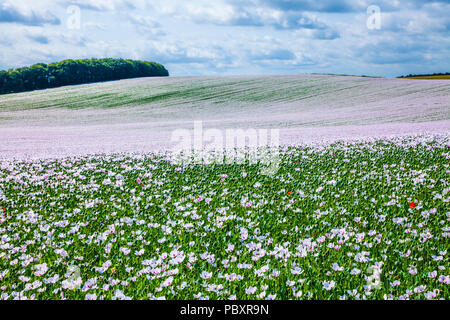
(441, 77)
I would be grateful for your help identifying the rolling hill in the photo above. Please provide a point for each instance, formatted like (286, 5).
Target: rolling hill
(140, 114)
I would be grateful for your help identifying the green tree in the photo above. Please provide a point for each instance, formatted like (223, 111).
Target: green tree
(68, 72)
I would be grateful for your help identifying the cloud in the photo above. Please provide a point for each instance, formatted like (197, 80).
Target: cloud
(186, 53)
(248, 14)
(274, 54)
(342, 6)
(94, 26)
(256, 17)
(315, 6)
(101, 5)
(39, 39)
(321, 34)
(146, 25)
(11, 14)
(385, 52)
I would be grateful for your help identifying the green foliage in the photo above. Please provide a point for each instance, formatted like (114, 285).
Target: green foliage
(69, 72)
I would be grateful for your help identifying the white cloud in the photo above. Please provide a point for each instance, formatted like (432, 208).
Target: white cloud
(232, 36)
(16, 12)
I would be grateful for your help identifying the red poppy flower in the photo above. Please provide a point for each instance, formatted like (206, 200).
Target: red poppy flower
(412, 205)
(289, 193)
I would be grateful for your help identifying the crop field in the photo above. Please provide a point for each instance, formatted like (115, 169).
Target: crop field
(140, 226)
(140, 114)
(93, 205)
(440, 77)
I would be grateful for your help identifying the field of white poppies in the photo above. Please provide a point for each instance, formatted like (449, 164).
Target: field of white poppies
(347, 220)
(141, 114)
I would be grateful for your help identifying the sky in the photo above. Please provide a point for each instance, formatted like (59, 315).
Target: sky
(230, 37)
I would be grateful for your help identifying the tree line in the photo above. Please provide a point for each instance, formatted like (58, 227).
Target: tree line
(70, 72)
(425, 75)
